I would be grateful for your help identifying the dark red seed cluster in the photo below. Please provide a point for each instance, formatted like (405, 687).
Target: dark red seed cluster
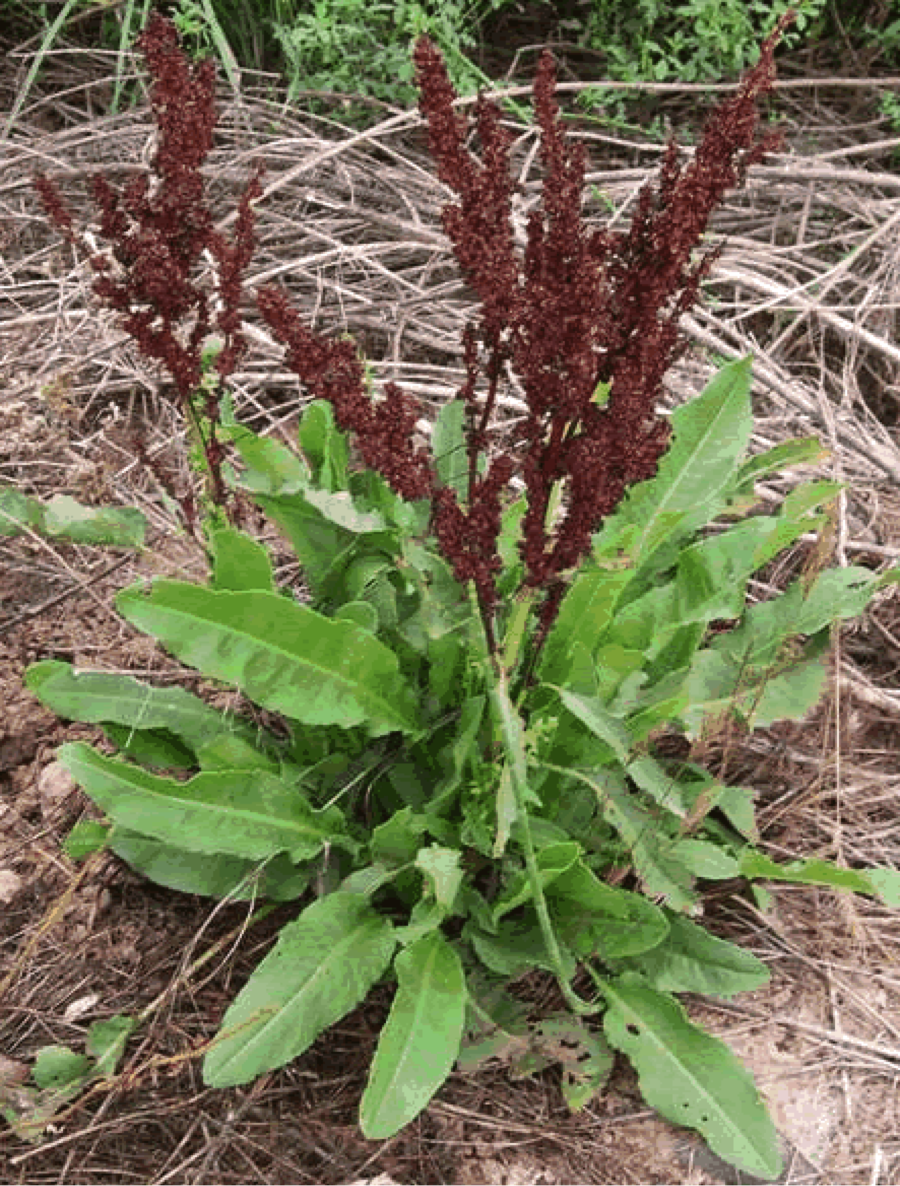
(578, 308)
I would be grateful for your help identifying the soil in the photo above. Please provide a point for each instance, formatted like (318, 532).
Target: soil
(84, 941)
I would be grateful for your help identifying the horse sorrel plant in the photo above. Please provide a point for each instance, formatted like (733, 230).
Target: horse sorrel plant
(467, 787)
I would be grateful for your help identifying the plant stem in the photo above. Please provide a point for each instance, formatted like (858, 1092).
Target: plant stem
(514, 746)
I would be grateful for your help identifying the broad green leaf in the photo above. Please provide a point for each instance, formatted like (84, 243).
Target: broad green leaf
(448, 447)
(886, 883)
(583, 1054)
(551, 862)
(230, 752)
(709, 437)
(362, 613)
(690, 1077)
(690, 959)
(324, 445)
(106, 1042)
(507, 812)
(239, 562)
(708, 860)
(324, 549)
(803, 450)
(835, 594)
(272, 468)
(339, 508)
(420, 1039)
(207, 874)
(652, 778)
(156, 749)
(121, 527)
(441, 869)
(599, 919)
(584, 616)
(57, 1068)
(517, 947)
(86, 837)
(786, 696)
(285, 656)
(599, 720)
(98, 698)
(397, 840)
(321, 967)
(242, 813)
(649, 846)
(18, 512)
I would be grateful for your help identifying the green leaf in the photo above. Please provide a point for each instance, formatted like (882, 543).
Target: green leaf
(517, 947)
(552, 862)
(324, 445)
(397, 840)
(213, 876)
(584, 616)
(106, 1042)
(448, 448)
(584, 1055)
(18, 512)
(362, 613)
(239, 562)
(690, 959)
(57, 1068)
(599, 919)
(98, 698)
(121, 527)
(272, 468)
(708, 860)
(886, 883)
(420, 1039)
(650, 848)
(86, 837)
(690, 1077)
(592, 713)
(286, 657)
(322, 966)
(816, 871)
(442, 872)
(709, 437)
(242, 813)
(803, 450)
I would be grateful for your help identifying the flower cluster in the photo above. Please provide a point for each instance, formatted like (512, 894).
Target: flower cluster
(159, 229)
(583, 308)
(579, 312)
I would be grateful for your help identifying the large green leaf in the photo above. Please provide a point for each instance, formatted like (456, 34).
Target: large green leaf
(448, 447)
(689, 1076)
(650, 847)
(285, 656)
(690, 959)
(100, 698)
(584, 615)
(240, 813)
(552, 862)
(216, 876)
(599, 919)
(324, 445)
(322, 966)
(420, 1039)
(239, 562)
(709, 437)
